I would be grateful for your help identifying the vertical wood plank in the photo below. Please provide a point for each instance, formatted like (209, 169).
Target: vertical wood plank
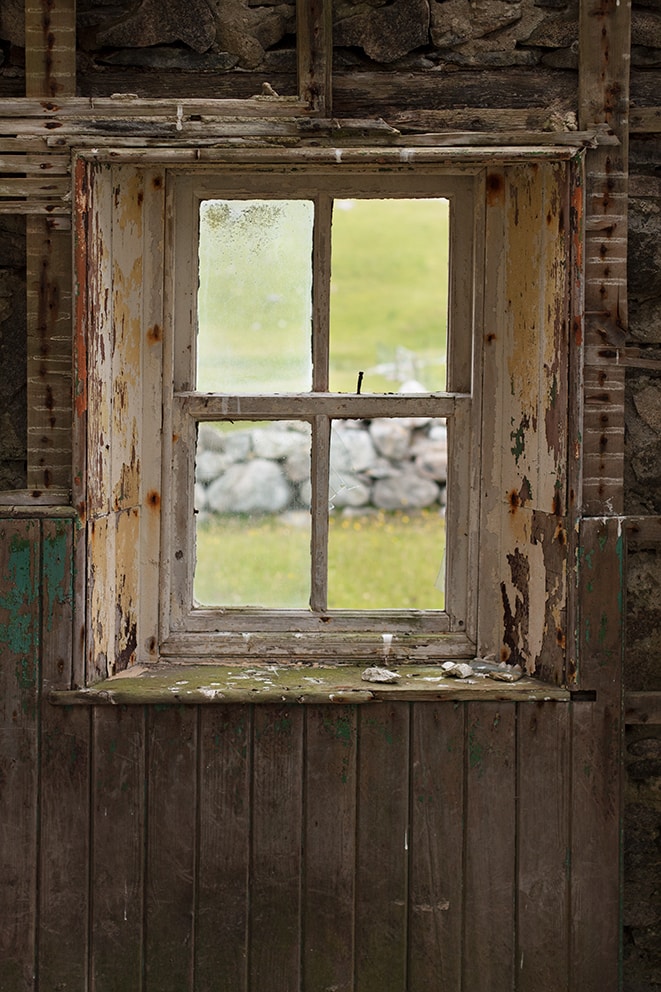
(221, 929)
(437, 846)
(49, 315)
(276, 849)
(382, 848)
(116, 859)
(314, 37)
(489, 923)
(596, 761)
(64, 780)
(542, 952)
(50, 48)
(330, 847)
(171, 845)
(19, 681)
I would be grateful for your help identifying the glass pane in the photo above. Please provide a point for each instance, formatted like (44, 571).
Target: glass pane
(255, 296)
(387, 529)
(252, 496)
(389, 295)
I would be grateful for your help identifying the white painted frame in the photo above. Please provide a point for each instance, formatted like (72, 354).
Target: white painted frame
(318, 633)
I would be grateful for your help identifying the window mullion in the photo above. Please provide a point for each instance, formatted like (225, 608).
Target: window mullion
(321, 271)
(321, 432)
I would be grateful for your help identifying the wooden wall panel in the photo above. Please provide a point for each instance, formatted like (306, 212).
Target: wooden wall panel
(117, 849)
(331, 744)
(490, 860)
(436, 885)
(276, 852)
(543, 845)
(64, 767)
(19, 689)
(223, 865)
(382, 847)
(171, 850)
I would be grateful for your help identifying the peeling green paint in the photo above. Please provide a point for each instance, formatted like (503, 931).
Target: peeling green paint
(603, 628)
(20, 632)
(475, 751)
(56, 576)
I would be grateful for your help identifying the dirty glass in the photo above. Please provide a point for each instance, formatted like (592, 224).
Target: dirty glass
(389, 295)
(255, 296)
(252, 497)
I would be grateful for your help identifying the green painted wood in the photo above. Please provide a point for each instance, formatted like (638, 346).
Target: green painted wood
(276, 851)
(221, 928)
(19, 694)
(331, 743)
(436, 847)
(490, 860)
(64, 780)
(116, 859)
(171, 764)
(382, 854)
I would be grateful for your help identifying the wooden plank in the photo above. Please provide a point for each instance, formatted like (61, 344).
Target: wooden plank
(37, 189)
(64, 780)
(214, 406)
(35, 165)
(437, 847)
(19, 693)
(490, 839)
(221, 928)
(645, 120)
(116, 857)
(604, 39)
(50, 48)
(596, 766)
(382, 853)
(314, 45)
(274, 948)
(331, 742)
(171, 742)
(542, 831)
(49, 355)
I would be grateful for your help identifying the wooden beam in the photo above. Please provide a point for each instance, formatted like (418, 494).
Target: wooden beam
(604, 33)
(314, 36)
(642, 708)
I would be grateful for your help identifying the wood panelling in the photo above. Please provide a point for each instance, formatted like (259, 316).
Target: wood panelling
(396, 846)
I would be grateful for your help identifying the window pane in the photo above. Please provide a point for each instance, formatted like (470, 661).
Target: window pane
(387, 528)
(252, 495)
(255, 296)
(389, 294)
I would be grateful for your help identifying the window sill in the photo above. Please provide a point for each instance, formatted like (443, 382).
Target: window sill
(203, 684)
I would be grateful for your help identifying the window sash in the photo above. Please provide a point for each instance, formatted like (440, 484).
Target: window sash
(185, 627)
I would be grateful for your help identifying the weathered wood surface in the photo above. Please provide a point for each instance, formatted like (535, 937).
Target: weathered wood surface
(402, 845)
(596, 766)
(299, 684)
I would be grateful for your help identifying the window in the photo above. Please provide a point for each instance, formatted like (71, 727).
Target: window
(150, 390)
(262, 367)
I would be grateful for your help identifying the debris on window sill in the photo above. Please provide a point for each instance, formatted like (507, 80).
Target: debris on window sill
(303, 683)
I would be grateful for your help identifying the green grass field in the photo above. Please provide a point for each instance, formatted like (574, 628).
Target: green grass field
(376, 561)
(388, 293)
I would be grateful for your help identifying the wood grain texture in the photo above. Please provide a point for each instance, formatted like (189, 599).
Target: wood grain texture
(436, 847)
(490, 837)
(223, 864)
(382, 853)
(542, 831)
(171, 760)
(117, 854)
(275, 867)
(19, 693)
(64, 780)
(331, 743)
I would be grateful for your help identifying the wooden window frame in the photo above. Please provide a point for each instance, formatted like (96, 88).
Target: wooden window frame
(187, 630)
(527, 204)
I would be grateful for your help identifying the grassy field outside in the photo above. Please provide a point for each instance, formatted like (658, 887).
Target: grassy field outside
(388, 311)
(376, 561)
